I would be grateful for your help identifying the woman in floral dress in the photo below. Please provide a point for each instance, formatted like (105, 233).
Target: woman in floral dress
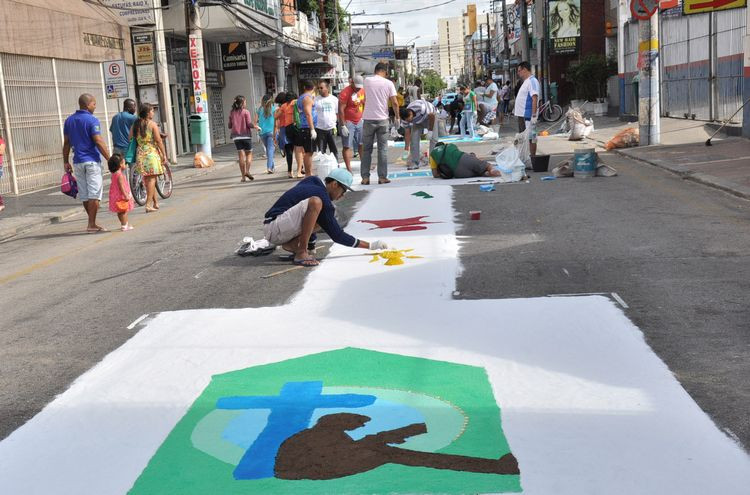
(150, 153)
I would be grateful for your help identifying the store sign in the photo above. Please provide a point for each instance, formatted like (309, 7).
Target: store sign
(317, 72)
(384, 52)
(145, 74)
(143, 48)
(115, 79)
(233, 56)
(101, 41)
(197, 73)
(700, 6)
(564, 26)
(131, 12)
(215, 79)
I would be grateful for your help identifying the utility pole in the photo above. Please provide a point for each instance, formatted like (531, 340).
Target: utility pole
(489, 44)
(524, 31)
(417, 50)
(351, 49)
(336, 19)
(323, 30)
(198, 73)
(280, 61)
(506, 46)
(648, 89)
(167, 116)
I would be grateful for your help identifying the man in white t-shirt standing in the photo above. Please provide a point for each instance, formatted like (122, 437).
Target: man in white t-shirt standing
(379, 91)
(527, 103)
(327, 106)
(490, 99)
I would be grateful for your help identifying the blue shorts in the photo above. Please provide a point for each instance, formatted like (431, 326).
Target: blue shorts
(90, 180)
(355, 135)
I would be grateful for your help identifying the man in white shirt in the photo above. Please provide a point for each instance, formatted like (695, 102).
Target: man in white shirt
(379, 91)
(490, 99)
(414, 91)
(327, 107)
(527, 104)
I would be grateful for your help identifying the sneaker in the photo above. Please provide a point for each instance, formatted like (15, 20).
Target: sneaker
(125, 228)
(412, 167)
(384, 181)
(365, 182)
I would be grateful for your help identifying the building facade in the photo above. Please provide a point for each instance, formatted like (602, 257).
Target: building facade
(44, 66)
(427, 57)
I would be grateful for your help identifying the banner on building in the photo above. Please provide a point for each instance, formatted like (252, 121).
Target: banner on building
(701, 6)
(131, 12)
(384, 52)
(115, 79)
(197, 72)
(564, 26)
(234, 56)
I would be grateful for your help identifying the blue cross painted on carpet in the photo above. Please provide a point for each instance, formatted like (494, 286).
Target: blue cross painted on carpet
(291, 412)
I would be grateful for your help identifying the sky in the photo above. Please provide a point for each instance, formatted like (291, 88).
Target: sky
(407, 26)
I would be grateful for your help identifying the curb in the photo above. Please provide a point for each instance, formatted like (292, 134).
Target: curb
(38, 221)
(698, 177)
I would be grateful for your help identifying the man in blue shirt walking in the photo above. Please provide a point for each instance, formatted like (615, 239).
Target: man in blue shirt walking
(83, 133)
(295, 215)
(120, 127)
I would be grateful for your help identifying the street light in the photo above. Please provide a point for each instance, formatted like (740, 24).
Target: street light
(407, 46)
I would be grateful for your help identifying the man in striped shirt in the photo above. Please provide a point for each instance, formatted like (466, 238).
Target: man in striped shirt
(417, 117)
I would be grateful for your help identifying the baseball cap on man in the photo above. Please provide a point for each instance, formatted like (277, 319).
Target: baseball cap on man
(342, 176)
(358, 81)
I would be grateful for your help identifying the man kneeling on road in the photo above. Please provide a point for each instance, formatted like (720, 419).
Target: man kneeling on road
(307, 207)
(449, 162)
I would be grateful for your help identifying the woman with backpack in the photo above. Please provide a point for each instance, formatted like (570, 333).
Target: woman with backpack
(265, 121)
(241, 123)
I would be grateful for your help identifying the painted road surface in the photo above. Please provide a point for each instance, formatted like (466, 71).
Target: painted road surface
(373, 380)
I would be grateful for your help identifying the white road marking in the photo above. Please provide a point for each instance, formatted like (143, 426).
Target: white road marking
(566, 272)
(620, 300)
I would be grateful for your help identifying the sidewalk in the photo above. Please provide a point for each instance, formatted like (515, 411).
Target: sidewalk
(34, 210)
(725, 165)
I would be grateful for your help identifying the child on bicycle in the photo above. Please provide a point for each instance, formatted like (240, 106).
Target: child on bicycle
(120, 197)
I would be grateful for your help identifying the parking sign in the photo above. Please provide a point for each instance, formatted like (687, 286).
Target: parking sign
(115, 78)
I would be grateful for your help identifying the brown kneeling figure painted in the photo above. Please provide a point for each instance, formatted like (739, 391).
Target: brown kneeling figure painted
(326, 451)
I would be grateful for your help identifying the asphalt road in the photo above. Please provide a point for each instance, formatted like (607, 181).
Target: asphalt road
(676, 252)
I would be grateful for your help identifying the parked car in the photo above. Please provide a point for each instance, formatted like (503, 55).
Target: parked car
(448, 98)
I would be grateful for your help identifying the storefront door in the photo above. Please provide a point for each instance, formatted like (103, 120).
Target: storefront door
(181, 109)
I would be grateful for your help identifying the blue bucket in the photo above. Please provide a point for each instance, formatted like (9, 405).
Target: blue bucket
(584, 163)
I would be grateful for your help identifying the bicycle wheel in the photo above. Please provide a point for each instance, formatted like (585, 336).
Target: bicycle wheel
(553, 113)
(138, 188)
(164, 183)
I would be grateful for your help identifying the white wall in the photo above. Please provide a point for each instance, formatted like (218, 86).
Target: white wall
(238, 83)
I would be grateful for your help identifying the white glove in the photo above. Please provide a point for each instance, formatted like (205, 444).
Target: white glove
(313, 134)
(344, 131)
(378, 245)
(534, 120)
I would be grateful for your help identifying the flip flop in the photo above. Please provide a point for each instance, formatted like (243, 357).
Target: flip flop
(96, 231)
(307, 262)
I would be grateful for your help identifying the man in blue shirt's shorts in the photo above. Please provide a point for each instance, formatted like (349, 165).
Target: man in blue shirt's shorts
(83, 133)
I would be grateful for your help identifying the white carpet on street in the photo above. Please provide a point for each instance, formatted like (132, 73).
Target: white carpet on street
(586, 405)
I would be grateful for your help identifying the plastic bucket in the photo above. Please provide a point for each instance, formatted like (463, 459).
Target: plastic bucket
(584, 163)
(540, 163)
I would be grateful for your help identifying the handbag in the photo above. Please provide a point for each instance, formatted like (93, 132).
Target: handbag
(122, 205)
(68, 185)
(130, 153)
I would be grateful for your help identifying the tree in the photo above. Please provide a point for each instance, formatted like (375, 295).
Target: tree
(312, 6)
(432, 83)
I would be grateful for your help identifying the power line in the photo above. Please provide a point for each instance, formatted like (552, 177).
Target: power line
(408, 11)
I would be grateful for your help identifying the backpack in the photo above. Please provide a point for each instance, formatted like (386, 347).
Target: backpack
(297, 118)
(68, 185)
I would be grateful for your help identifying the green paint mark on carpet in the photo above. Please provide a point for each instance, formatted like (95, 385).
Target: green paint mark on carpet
(422, 194)
(196, 459)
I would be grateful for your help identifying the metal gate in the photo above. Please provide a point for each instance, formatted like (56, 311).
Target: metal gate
(730, 32)
(631, 68)
(701, 64)
(216, 119)
(40, 93)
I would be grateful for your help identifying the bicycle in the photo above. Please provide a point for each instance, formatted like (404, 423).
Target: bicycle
(164, 185)
(550, 112)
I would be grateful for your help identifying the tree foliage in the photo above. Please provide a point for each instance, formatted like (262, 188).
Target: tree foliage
(590, 76)
(432, 83)
(312, 6)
